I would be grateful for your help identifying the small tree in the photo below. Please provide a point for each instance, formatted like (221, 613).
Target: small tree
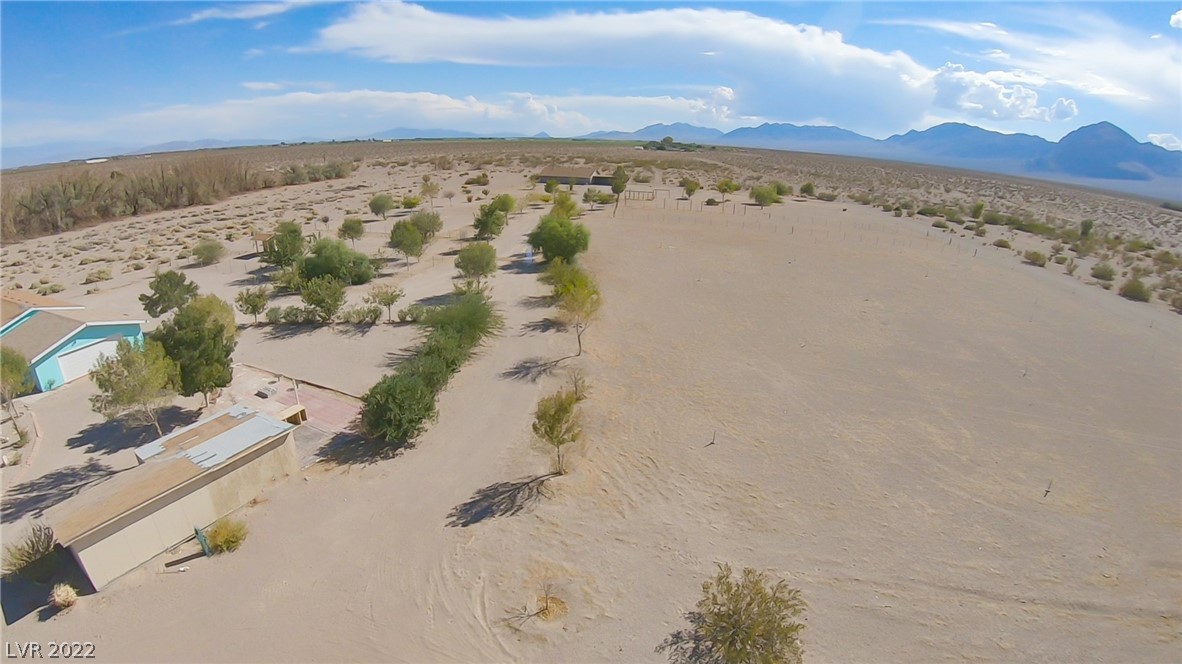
(170, 290)
(579, 302)
(739, 621)
(406, 240)
(476, 261)
(428, 223)
(14, 376)
(1085, 228)
(208, 252)
(619, 184)
(556, 423)
(449, 195)
(198, 342)
(559, 237)
(381, 204)
(429, 190)
(691, 186)
(286, 247)
(325, 295)
(726, 186)
(764, 195)
(331, 257)
(352, 229)
(137, 381)
(565, 206)
(253, 301)
(489, 222)
(384, 295)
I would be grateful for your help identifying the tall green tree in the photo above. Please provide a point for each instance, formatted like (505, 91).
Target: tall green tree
(619, 184)
(352, 229)
(198, 342)
(137, 381)
(169, 290)
(287, 245)
(253, 301)
(406, 240)
(326, 295)
(381, 204)
(14, 376)
(559, 237)
(212, 306)
(476, 261)
(556, 422)
(750, 619)
(384, 295)
(428, 223)
(331, 257)
(489, 222)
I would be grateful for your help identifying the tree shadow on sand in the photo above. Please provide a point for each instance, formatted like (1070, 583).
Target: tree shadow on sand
(531, 369)
(351, 447)
(500, 499)
(33, 497)
(116, 435)
(522, 265)
(542, 326)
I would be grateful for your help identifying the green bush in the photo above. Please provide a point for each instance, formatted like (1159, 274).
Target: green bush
(97, 276)
(1035, 258)
(226, 534)
(411, 202)
(398, 408)
(558, 237)
(479, 180)
(296, 316)
(808, 189)
(333, 258)
(1060, 259)
(412, 314)
(33, 557)
(940, 223)
(427, 223)
(1001, 242)
(712, 202)
(827, 196)
(1134, 289)
(274, 315)
(208, 252)
(1103, 272)
(928, 211)
(361, 315)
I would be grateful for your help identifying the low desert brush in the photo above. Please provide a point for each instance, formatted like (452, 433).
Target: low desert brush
(63, 596)
(32, 557)
(227, 534)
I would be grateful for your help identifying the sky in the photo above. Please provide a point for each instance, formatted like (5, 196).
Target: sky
(138, 73)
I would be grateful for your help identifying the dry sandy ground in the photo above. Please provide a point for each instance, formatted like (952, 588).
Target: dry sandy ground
(890, 403)
(889, 407)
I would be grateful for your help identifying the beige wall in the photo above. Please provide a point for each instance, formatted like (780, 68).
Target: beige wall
(140, 541)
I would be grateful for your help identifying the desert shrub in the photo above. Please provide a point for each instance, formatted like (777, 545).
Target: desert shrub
(1176, 302)
(324, 296)
(1103, 272)
(226, 534)
(296, 316)
(428, 223)
(411, 202)
(63, 596)
(479, 180)
(781, 188)
(940, 223)
(979, 231)
(333, 258)
(711, 202)
(290, 278)
(928, 211)
(97, 276)
(33, 557)
(739, 621)
(208, 252)
(643, 177)
(559, 237)
(1134, 289)
(412, 314)
(274, 315)
(1138, 245)
(764, 195)
(362, 315)
(1001, 242)
(827, 196)
(808, 189)
(398, 408)
(1060, 259)
(1035, 258)
(381, 204)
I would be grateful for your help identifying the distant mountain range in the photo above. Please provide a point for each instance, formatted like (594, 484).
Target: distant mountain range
(1100, 155)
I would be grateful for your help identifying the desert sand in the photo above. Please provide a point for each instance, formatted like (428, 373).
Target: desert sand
(890, 404)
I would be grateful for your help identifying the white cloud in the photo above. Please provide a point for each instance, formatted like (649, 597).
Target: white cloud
(262, 85)
(1167, 141)
(760, 58)
(239, 12)
(1176, 19)
(1088, 53)
(985, 95)
(253, 53)
(361, 112)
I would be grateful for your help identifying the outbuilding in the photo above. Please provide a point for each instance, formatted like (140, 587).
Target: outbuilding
(185, 480)
(61, 341)
(570, 175)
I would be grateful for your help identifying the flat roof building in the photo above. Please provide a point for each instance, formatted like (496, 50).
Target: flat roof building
(185, 480)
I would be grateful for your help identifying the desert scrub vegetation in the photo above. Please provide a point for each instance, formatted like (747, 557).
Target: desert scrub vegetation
(63, 596)
(208, 252)
(557, 423)
(226, 534)
(400, 406)
(750, 619)
(68, 202)
(1103, 272)
(1035, 258)
(1002, 243)
(1134, 289)
(33, 556)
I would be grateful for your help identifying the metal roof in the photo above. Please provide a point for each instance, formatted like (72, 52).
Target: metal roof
(216, 439)
(40, 333)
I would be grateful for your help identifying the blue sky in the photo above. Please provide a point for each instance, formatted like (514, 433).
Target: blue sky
(133, 74)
